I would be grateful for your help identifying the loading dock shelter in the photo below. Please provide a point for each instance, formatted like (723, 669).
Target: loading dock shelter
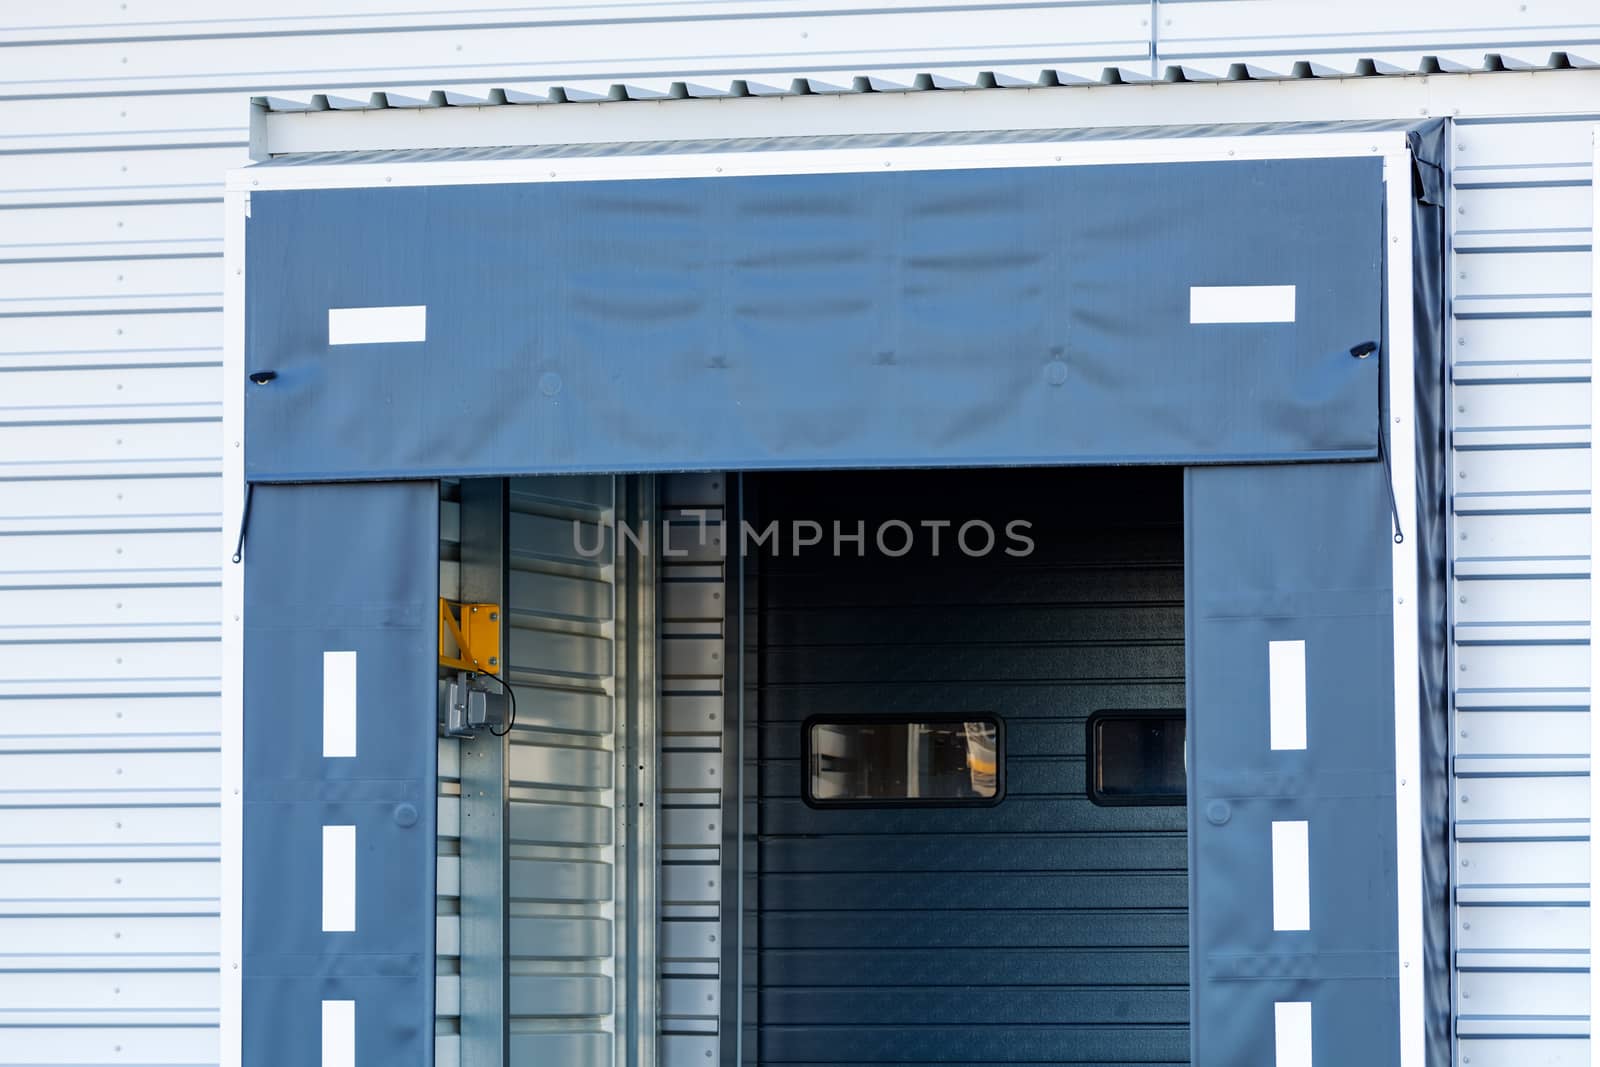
(1236, 337)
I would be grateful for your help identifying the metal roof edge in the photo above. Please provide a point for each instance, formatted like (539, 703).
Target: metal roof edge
(1566, 92)
(536, 92)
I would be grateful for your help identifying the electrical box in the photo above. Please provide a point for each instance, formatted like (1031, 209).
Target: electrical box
(466, 706)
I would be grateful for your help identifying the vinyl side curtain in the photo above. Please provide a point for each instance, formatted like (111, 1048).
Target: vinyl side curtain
(1292, 833)
(340, 757)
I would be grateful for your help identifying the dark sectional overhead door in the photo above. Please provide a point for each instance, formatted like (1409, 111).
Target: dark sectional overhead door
(1043, 929)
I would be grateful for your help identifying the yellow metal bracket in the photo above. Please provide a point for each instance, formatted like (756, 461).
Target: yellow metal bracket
(477, 636)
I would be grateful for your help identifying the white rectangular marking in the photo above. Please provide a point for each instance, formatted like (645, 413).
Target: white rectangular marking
(338, 705)
(1291, 876)
(1292, 1027)
(1212, 304)
(338, 1033)
(374, 326)
(338, 879)
(1286, 693)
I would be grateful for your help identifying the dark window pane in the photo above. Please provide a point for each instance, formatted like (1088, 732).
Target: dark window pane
(1137, 759)
(905, 761)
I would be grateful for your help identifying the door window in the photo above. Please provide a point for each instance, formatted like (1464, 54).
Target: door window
(881, 761)
(1137, 757)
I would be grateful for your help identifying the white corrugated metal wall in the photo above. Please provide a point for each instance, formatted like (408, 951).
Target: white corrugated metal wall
(117, 120)
(1522, 214)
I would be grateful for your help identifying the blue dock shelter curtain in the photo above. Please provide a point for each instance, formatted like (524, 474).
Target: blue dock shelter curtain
(349, 570)
(1292, 872)
(1030, 316)
(926, 318)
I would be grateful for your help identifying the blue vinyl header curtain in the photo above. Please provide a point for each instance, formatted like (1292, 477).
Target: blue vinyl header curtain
(925, 318)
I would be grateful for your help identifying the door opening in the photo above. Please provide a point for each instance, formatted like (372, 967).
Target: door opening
(934, 878)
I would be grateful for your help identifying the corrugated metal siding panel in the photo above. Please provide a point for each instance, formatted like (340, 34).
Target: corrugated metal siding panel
(1207, 37)
(900, 46)
(154, 79)
(1043, 929)
(110, 555)
(562, 772)
(110, 564)
(1522, 216)
(692, 602)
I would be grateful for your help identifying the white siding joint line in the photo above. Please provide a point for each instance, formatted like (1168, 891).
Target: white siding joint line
(338, 1033)
(1292, 1027)
(377, 325)
(338, 879)
(1286, 688)
(1240, 304)
(1291, 876)
(338, 705)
